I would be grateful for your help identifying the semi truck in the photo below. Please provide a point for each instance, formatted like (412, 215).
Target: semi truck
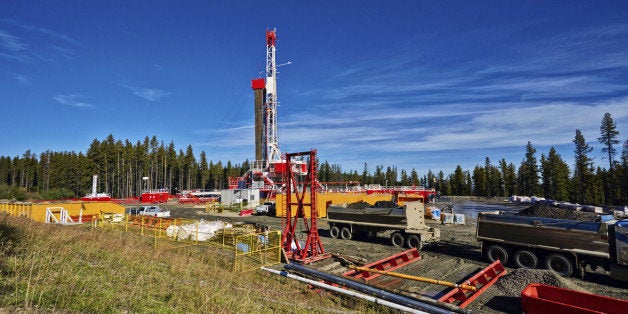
(565, 246)
(407, 223)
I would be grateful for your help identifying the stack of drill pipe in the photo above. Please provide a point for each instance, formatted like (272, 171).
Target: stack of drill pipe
(423, 304)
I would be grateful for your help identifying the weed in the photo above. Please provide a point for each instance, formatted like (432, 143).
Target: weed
(54, 268)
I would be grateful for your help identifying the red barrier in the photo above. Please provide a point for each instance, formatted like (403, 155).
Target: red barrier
(539, 298)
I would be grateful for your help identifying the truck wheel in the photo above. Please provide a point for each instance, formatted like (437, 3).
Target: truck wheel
(497, 252)
(334, 231)
(345, 233)
(526, 259)
(413, 241)
(559, 264)
(397, 239)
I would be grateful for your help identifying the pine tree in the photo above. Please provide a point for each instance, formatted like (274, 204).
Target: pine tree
(509, 177)
(458, 182)
(624, 174)
(414, 177)
(528, 176)
(608, 137)
(554, 176)
(479, 181)
(583, 175)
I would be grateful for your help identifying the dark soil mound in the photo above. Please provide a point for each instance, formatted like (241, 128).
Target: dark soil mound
(359, 205)
(547, 211)
(385, 204)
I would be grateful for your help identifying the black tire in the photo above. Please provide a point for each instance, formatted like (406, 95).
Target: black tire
(345, 233)
(526, 259)
(396, 239)
(334, 231)
(559, 264)
(414, 241)
(497, 252)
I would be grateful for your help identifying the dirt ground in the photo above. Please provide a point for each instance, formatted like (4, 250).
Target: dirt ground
(454, 258)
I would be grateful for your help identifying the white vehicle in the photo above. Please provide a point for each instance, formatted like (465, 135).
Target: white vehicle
(268, 208)
(154, 211)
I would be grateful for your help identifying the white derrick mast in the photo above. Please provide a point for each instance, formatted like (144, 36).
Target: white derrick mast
(272, 141)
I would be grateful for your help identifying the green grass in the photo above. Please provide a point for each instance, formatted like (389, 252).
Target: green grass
(53, 268)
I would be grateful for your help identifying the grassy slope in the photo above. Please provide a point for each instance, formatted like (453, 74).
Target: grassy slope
(77, 269)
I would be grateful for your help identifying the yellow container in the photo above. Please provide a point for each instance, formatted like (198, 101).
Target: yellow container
(37, 211)
(323, 200)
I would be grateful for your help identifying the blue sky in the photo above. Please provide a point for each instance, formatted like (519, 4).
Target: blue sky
(415, 84)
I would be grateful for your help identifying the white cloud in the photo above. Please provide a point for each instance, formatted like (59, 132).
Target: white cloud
(22, 79)
(11, 42)
(42, 30)
(73, 100)
(150, 94)
(39, 44)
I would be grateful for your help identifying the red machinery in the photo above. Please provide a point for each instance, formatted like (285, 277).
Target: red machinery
(299, 183)
(539, 298)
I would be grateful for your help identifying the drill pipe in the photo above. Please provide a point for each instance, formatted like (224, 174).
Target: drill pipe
(385, 295)
(423, 279)
(344, 291)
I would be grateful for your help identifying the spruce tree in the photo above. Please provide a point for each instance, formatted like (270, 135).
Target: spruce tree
(624, 174)
(608, 137)
(583, 175)
(528, 176)
(554, 176)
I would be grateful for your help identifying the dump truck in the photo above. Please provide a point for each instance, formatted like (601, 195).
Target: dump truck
(407, 223)
(565, 246)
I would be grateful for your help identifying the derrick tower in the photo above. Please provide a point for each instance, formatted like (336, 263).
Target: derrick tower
(266, 138)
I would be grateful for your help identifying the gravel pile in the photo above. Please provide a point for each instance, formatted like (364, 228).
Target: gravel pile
(386, 204)
(378, 204)
(516, 280)
(359, 205)
(505, 294)
(547, 211)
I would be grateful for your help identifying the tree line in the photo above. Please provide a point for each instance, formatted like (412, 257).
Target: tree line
(125, 169)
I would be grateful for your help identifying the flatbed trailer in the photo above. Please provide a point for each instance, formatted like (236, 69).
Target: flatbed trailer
(564, 246)
(407, 224)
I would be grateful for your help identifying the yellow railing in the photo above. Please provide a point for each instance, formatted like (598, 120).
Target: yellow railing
(253, 251)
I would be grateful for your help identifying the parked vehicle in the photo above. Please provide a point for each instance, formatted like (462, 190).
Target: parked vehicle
(564, 246)
(406, 222)
(155, 211)
(268, 208)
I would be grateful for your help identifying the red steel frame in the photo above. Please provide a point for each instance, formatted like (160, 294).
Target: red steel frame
(482, 280)
(387, 264)
(312, 250)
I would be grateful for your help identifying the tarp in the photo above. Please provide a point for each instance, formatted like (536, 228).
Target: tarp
(199, 231)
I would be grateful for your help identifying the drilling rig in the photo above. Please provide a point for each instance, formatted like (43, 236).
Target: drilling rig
(267, 170)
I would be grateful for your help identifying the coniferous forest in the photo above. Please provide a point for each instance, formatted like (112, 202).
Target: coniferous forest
(122, 167)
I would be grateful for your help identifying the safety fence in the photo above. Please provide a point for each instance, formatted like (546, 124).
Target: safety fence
(256, 250)
(251, 247)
